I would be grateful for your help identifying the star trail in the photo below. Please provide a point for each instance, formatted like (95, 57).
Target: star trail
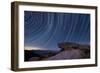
(46, 29)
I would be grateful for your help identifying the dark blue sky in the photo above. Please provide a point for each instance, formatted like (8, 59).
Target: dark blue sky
(47, 29)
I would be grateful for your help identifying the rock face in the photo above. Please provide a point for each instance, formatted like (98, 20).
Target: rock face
(71, 51)
(85, 49)
(69, 45)
(68, 54)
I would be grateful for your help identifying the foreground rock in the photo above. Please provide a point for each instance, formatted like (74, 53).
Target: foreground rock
(71, 51)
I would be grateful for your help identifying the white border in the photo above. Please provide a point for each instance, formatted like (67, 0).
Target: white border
(34, 64)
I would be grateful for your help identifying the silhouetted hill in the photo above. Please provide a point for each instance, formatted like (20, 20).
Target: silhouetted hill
(38, 54)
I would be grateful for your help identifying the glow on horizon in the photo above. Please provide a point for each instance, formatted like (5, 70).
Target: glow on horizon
(33, 48)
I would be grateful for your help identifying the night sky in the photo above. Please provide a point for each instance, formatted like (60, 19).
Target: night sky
(46, 29)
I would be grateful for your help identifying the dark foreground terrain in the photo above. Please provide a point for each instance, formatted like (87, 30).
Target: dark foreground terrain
(36, 55)
(68, 50)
